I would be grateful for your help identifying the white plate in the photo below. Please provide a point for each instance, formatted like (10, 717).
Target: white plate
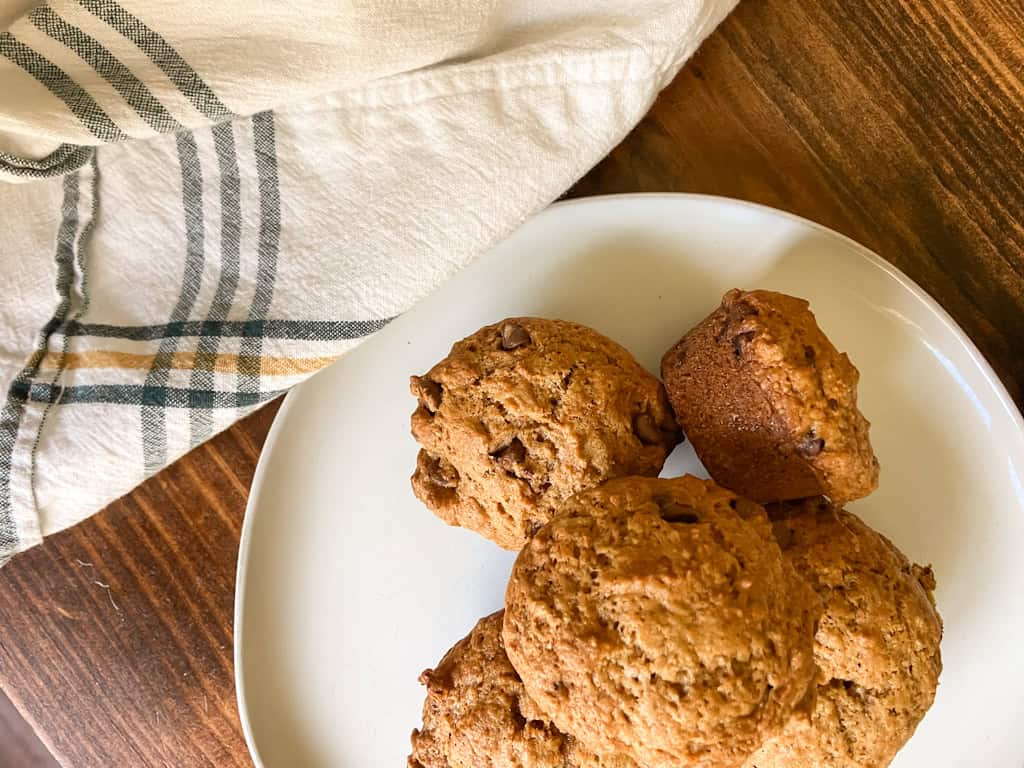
(348, 587)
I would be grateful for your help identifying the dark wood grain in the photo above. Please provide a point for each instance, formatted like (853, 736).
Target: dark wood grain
(896, 122)
(116, 641)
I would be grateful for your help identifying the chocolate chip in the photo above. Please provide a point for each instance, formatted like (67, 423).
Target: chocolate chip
(441, 473)
(517, 715)
(427, 391)
(674, 512)
(740, 341)
(809, 354)
(722, 332)
(742, 309)
(510, 456)
(568, 377)
(856, 691)
(647, 430)
(811, 446)
(735, 313)
(513, 336)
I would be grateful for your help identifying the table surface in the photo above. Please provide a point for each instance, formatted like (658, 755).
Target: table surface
(896, 122)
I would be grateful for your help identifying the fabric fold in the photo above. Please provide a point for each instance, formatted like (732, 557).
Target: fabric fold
(196, 253)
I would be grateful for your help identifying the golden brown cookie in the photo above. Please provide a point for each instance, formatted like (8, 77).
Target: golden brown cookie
(769, 404)
(477, 714)
(877, 643)
(525, 413)
(658, 619)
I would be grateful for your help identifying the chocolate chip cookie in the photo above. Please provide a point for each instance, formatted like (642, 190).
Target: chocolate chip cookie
(657, 619)
(877, 644)
(478, 715)
(525, 413)
(769, 404)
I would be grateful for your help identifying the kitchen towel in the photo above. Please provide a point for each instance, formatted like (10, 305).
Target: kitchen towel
(201, 204)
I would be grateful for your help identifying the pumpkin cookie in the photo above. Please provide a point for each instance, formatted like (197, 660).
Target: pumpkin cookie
(657, 619)
(877, 644)
(477, 714)
(769, 404)
(527, 412)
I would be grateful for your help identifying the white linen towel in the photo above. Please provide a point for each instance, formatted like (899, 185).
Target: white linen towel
(207, 202)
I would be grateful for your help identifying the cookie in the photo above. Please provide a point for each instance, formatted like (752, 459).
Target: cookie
(769, 404)
(877, 644)
(478, 715)
(658, 619)
(527, 412)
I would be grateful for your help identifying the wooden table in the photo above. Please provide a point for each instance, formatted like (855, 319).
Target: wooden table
(897, 122)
